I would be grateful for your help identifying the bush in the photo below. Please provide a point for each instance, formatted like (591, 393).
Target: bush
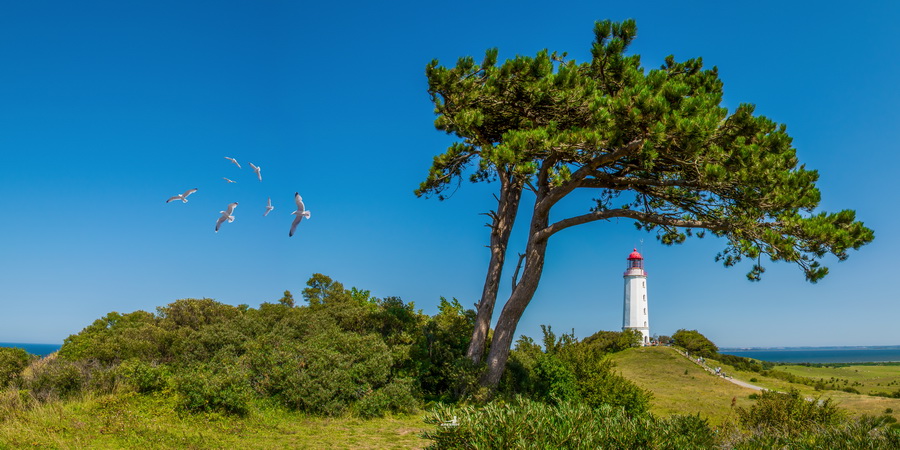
(523, 423)
(789, 413)
(145, 377)
(53, 378)
(696, 343)
(322, 374)
(116, 337)
(398, 396)
(12, 362)
(597, 384)
(207, 387)
(570, 371)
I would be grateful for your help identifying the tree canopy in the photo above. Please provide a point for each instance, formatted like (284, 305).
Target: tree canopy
(655, 146)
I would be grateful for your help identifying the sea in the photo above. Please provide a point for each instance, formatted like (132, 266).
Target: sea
(34, 349)
(820, 355)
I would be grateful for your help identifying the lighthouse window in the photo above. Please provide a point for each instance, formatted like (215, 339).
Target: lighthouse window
(645, 297)
(643, 284)
(645, 310)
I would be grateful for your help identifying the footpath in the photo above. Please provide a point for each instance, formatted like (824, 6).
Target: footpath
(700, 361)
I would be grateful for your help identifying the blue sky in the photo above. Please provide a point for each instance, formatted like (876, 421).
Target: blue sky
(109, 108)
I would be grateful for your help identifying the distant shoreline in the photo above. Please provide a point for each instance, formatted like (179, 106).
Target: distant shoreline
(820, 355)
(826, 348)
(34, 349)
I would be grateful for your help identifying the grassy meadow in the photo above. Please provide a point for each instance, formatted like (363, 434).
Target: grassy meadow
(139, 421)
(866, 378)
(857, 404)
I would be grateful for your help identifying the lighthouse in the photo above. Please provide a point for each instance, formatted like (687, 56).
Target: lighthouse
(635, 316)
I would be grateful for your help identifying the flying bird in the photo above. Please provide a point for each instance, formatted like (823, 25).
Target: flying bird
(230, 181)
(226, 215)
(269, 208)
(301, 212)
(256, 169)
(182, 197)
(234, 161)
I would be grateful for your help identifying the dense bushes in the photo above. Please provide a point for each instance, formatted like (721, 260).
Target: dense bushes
(343, 351)
(571, 371)
(789, 413)
(523, 423)
(12, 362)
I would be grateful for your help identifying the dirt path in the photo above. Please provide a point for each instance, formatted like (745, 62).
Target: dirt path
(725, 377)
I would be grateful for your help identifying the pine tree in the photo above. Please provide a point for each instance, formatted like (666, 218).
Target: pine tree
(654, 146)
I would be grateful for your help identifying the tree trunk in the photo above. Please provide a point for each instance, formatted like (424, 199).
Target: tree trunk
(501, 228)
(518, 301)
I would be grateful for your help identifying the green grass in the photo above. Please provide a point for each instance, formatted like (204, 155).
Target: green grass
(857, 404)
(661, 370)
(865, 378)
(134, 421)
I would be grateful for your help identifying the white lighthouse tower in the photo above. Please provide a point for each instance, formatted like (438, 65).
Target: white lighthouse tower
(635, 316)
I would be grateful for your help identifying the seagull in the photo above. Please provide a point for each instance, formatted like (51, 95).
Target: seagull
(269, 208)
(256, 169)
(182, 197)
(226, 215)
(301, 212)
(234, 161)
(230, 181)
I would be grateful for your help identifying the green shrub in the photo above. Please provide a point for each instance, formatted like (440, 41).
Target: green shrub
(443, 371)
(322, 374)
(596, 382)
(523, 423)
(570, 371)
(145, 377)
(12, 362)
(398, 396)
(780, 413)
(221, 386)
(864, 432)
(116, 337)
(53, 378)
(695, 343)
(555, 382)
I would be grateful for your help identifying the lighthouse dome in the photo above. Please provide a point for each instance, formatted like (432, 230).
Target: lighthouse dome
(635, 255)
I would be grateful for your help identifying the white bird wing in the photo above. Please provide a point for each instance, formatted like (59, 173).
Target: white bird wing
(294, 224)
(230, 181)
(269, 208)
(219, 222)
(234, 161)
(230, 209)
(270, 202)
(177, 197)
(256, 169)
(299, 201)
(188, 192)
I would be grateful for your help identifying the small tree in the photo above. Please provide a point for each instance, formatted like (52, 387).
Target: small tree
(696, 343)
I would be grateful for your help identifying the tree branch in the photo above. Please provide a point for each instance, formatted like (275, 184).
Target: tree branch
(658, 219)
(588, 169)
(516, 273)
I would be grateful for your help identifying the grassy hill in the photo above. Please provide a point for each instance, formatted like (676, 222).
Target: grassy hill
(678, 385)
(681, 387)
